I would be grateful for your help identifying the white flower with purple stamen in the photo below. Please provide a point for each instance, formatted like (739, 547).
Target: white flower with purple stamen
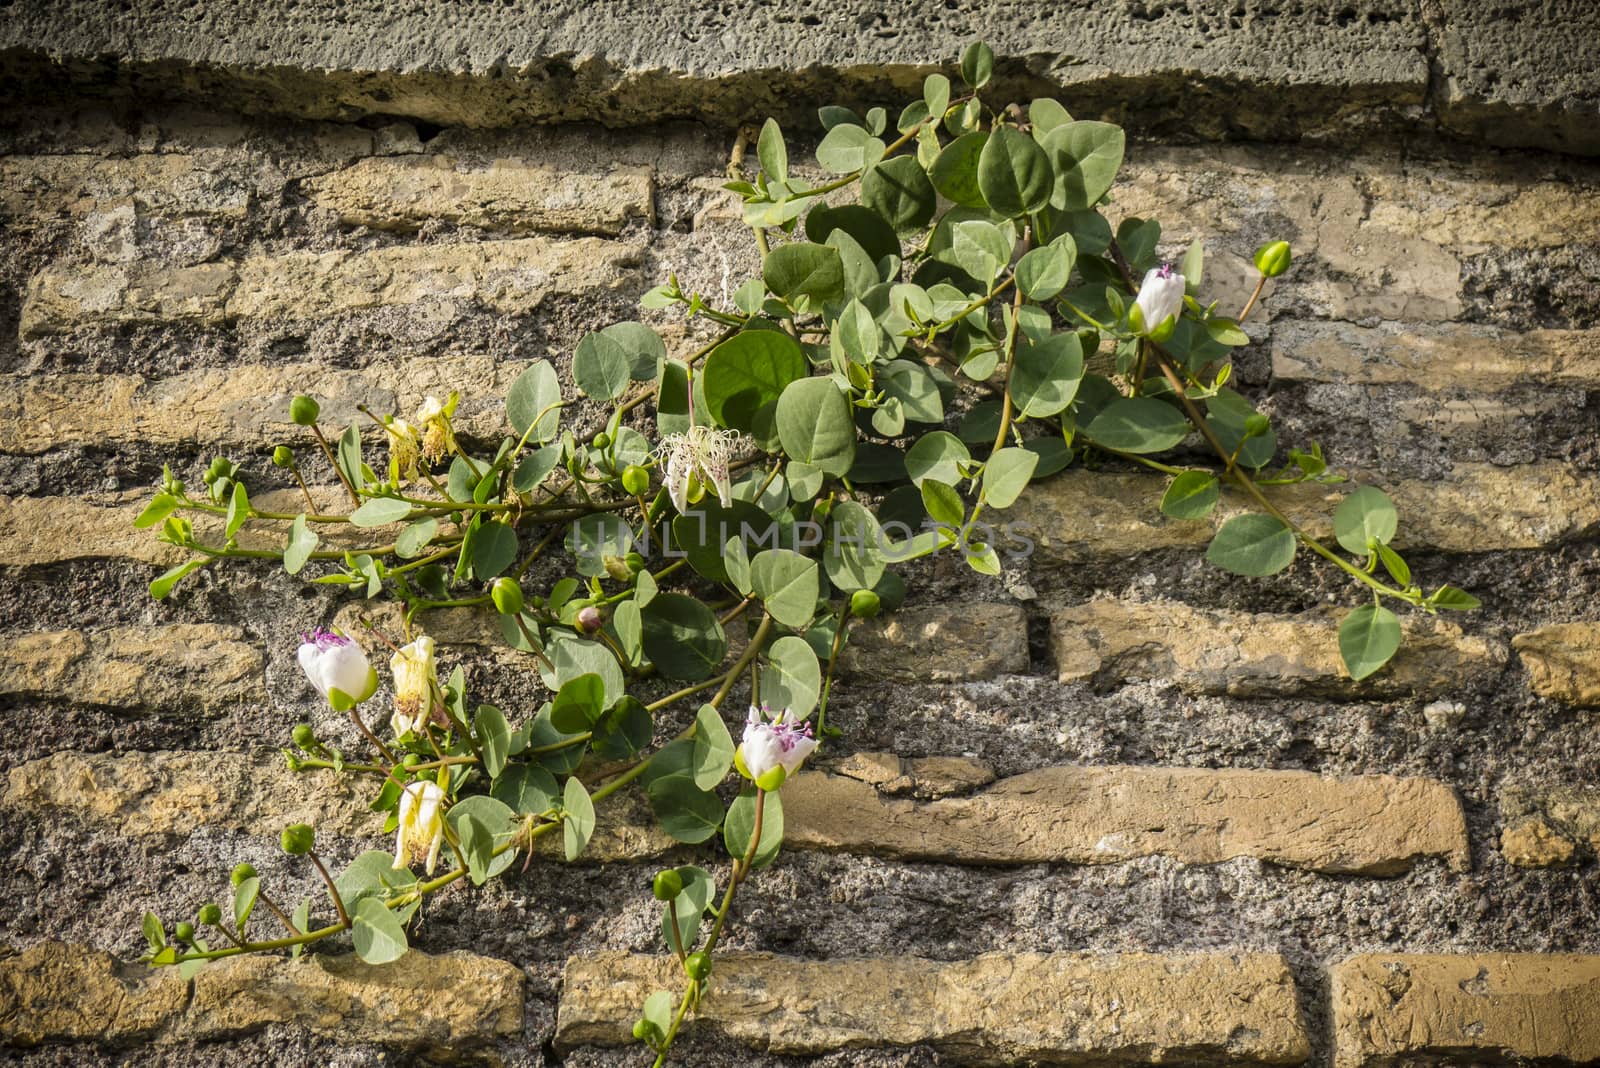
(1160, 297)
(695, 459)
(338, 668)
(773, 747)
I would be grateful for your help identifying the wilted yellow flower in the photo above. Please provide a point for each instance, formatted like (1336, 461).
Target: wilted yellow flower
(415, 679)
(421, 830)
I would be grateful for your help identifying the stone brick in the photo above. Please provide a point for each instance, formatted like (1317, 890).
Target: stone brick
(183, 664)
(995, 1009)
(1243, 654)
(1080, 515)
(923, 776)
(240, 406)
(935, 644)
(1546, 826)
(404, 192)
(508, 277)
(1447, 356)
(1373, 824)
(1563, 661)
(168, 184)
(1471, 1009)
(57, 992)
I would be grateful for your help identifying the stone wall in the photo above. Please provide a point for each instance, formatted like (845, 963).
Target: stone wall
(1119, 808)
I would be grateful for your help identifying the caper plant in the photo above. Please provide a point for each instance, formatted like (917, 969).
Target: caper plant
(949, 318)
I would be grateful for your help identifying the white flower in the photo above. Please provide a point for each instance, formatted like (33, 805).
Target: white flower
(1160, 296)
(695, 459)
(338, 669)
(415, 679)
(421, 830)
(773, 747)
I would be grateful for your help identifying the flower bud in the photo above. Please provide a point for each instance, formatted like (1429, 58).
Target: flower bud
(602, 440)
(242, 872)
(865, 603)
(698, 965)
(668, 884)
(1273, 259)
(616, 567)
(1256, 425)
(589, 620)
(1160, 298)
(283, 456)
(338, 669)
(184, 931)
(411, 760)
(635, 562)
(635, 479)
(645, 1031)
(210, 914)
(297, 839)
(507, 596)
(303, 410)
(220, 468)
(305, 737)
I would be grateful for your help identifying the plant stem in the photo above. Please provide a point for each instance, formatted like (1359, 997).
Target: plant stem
(1251, 303)
(333, 891)
(355, 498)
(355, 717)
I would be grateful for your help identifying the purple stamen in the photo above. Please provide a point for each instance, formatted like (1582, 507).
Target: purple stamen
(324, 639)
(1165, 271)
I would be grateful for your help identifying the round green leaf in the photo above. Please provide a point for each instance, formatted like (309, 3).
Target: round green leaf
(1368, 637)
(682, 637)
(570, 656)
(787, 584)
(376, 931)
(1046, 377)
(792, 678)
(869, 229)
(898, 189)
(534, 396)
(578, 704)
(1013, 173)
(1086, 156)
(1043, 272)
(379, 511)
(713, 748)
(1252, 545)
(740, 827)
(1006, 475)
(704, 532)
(686, 812)
(1192, 495)
(955, 171)
(748, 372)
(577, 822)
(853, 555)
(937, 455)
(525, 789)
(643, 346)
(815, 426)
(494, 548)
(1138, 424)
(1366, 516)
(601, 367)
(804, 269)
(847, 148)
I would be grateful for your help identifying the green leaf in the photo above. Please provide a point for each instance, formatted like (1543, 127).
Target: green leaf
(238, 511)
(1138, 424)
(936, 94)
(804, 269)
(533, 402)
(1252, 545)
(899, 190)
(713, 748)
(154, 933)
(1193, 269)
(379, 512)
(658, 1006)
(955, 171)
(792, 678)
(162, 586)
(494, 737)
(787, 584)
(944, 504)
(526, 789)
(690, 905)
(1045, 115)
(373, 874)
(414, 540)
(644, 348)
(772, 152)
(686, 812)
(349, 456)
(577, 818)
(160, 506)
(1365, 517)
(702, 534)
(1192, 495)
(578, 704)
(1047, 375)
(302, 543)
(1368, 637)
(594, 537)
(682, 637)
(570, 657)
(982, 558)
(869, 229)
(737, 563)
(937, 455)
(739, 828)
(805, 480)
(1006, 475)
(815, 427)
(1086, 156)
(847, 148)
(853, 554)
(858, 334)
(1226, 332)
(977, 65)
(601, 367)
(481, 823)
(377, 934)
(749, 372)
(1043, 272)
(1013, 173)
(913, 384)
(245, 896)
(1398, 569)
(301, 918)
(1452, 599)
(494, 548)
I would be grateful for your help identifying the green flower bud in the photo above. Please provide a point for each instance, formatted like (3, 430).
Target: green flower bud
(220, 468)
(644, 1030)
(297, 839)
(283, 456)
(243, 872)
(865, 603)
(602, 440)
(698, 966)
(305, 737)
(635, 562)
(304, 410)
(411, 760)
(210, 914)
(668, 884)
(616, 567)
(635, 479)
(1256, 425)
(507, 596)
(184, 931)
(1273, 259)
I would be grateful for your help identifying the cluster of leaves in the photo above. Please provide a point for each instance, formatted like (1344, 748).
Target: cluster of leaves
(948, 318)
